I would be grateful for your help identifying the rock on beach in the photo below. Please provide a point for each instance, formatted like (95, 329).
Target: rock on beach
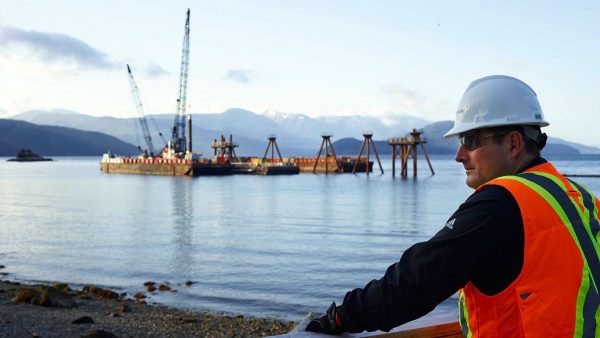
(26, 319)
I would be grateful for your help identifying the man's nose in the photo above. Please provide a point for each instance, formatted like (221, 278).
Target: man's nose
(461, 154)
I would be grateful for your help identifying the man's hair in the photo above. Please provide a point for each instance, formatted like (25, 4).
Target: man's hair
(533, 144)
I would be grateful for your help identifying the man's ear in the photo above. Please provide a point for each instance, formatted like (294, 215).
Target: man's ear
(516, 142)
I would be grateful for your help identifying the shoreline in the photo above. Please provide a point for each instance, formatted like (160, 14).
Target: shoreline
(40, 310)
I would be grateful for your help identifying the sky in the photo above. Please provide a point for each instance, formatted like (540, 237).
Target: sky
(319, 58)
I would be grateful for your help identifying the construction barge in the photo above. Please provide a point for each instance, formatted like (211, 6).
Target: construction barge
(177, 158)
(332, 165)
(166, 167)
(224, 152)
(259, 166)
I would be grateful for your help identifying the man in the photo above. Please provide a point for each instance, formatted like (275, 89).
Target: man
(521, 251)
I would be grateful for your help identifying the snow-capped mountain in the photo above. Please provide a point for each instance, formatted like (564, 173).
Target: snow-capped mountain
(345, 126)
(279, 115)
(297, 134)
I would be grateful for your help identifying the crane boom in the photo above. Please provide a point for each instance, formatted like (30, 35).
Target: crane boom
(178, 138)
(142, 118)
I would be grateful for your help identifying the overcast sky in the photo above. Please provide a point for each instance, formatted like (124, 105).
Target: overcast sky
(334, 57)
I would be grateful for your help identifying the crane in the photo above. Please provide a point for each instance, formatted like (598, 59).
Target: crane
(142, 118)
(178, 138)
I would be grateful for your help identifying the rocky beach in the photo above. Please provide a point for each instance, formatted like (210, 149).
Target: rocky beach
(61, 311)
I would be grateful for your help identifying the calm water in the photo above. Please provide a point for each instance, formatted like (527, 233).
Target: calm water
(258, 246)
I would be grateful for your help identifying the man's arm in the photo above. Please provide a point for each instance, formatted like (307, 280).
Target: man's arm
(482, 242)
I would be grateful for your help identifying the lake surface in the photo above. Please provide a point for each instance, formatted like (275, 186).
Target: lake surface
(276, 247)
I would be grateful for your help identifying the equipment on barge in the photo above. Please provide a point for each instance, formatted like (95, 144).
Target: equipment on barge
(339, 165)
(224, 151)
(177, 157)
(275, 166)
(331, 163)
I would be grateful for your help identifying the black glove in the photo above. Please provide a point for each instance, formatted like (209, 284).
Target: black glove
(327, 322)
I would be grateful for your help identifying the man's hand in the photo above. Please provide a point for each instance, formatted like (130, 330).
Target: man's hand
(330, 322)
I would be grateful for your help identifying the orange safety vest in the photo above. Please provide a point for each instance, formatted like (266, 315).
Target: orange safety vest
(556, 293)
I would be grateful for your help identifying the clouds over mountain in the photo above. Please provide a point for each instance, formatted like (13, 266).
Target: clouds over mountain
(239, 75)
(412, 102)
(56, 48)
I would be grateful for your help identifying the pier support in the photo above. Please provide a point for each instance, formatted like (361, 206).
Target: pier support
(405, 147)
(368, 143)
(273, 146)
(224, 151)
(327, 144)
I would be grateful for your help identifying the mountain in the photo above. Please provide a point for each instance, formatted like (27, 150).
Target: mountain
(350, 147)
(436, 144)
(344, 126)
(583, 149)
(124, 129)
(431, 133)
(297, 134)
(57, 141)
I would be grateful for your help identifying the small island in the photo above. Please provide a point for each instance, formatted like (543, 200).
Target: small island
(26, 155)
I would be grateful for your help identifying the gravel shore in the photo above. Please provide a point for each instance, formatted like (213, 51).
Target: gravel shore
(58, 311)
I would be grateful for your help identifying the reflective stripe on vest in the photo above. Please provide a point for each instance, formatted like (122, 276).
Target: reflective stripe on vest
(556, 194)
(572, 208)
(591, 207)
(463, 315)
(581, 225)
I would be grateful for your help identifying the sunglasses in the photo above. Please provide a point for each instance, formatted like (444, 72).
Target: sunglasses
(472, 142)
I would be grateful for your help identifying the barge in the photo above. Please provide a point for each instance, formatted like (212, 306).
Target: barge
(277, 168)
(165, 167)
(332, 165)
(225, 151)
(177, 157)
(258, 166)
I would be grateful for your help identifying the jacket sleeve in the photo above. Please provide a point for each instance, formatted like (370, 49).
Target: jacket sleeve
(473, 241)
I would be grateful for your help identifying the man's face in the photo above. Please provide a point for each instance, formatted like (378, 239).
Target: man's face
(482, 158)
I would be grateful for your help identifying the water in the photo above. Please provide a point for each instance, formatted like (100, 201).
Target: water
(274, 247)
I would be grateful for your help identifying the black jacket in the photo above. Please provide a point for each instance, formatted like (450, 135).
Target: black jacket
(482, 242)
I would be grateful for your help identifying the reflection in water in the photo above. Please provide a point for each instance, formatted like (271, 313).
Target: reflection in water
(369, 200)
(405, 208)
(182, 213)
(326, 200)
(262, 246)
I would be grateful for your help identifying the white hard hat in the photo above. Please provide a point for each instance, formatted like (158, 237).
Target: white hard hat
(497, 100)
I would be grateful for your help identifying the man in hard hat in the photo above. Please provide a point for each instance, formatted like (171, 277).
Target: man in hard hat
(521, 251)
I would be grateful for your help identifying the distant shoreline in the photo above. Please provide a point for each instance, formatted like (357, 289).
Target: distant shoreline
(43, 159)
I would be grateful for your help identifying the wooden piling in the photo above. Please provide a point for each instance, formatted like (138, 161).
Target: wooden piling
(405, 147)
(367, 143)
(327, 144)
(273, 146)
